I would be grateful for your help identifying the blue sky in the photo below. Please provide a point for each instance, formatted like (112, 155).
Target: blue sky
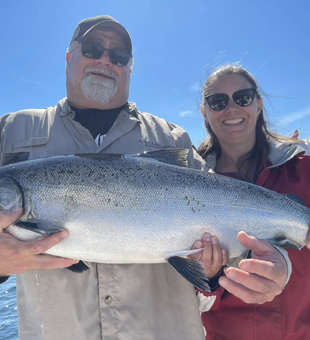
(175, 45)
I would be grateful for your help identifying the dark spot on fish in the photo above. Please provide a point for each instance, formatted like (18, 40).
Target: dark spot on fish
(109, 200)
(186, 197)
(188, 202)
(90, 174)
(193, 210)
(116, 204)
(166, 189)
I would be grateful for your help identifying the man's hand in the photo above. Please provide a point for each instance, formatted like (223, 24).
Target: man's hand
(212, 256)
(260, 278)
(18, 257)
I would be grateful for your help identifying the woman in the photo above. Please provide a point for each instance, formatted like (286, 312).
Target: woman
(241, 146)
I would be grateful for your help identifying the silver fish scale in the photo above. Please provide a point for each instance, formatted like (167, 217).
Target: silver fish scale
(139, 210)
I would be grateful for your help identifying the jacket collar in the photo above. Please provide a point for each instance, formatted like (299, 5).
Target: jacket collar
(279, 153)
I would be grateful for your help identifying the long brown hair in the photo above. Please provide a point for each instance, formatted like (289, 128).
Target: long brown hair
(250, 165)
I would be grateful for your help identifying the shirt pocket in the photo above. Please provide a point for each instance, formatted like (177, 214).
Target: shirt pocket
(35, 147)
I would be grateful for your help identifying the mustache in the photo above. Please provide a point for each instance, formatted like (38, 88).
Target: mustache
(104, 71)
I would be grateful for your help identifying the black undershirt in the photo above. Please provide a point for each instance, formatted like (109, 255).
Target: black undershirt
(98, 122)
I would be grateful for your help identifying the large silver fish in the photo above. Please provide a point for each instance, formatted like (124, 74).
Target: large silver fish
(141, 209)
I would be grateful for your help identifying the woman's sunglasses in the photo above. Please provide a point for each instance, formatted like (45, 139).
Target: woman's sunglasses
(93, 50)
(219, 101)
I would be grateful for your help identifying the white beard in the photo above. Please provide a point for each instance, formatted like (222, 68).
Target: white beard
(97, 89)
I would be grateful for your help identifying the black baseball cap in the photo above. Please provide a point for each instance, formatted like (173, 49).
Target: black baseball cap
(102, 21)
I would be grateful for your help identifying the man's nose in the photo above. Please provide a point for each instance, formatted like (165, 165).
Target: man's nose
(104, 59)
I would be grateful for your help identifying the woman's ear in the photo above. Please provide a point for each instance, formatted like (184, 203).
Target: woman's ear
(260, 105)
(203, 111)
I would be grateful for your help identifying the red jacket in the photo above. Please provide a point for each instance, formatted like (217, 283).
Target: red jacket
(287, 317)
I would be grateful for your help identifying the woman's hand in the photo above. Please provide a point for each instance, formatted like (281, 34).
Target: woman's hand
(261, 278)
(211, 256)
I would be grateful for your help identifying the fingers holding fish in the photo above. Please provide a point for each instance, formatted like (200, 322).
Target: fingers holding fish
(41, 246)
(271, 265)
(248, 287)
(18, 256)
(260, 278)
(275, 270)
(45, 262)
(211, 256)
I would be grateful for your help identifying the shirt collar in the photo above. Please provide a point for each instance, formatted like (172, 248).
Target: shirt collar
(65, 109)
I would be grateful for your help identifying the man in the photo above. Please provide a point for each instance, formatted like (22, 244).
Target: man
(108, 301)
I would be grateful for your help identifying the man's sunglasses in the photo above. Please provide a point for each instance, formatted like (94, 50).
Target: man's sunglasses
(93, 50)
(219, 101)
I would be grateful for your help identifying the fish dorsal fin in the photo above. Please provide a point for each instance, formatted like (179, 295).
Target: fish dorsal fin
(99, 156)
(170, 156)
(295, 198)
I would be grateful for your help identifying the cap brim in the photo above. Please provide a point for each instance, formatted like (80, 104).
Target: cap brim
(116, 27)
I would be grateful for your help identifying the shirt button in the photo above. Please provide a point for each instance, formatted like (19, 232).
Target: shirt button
(108, 299)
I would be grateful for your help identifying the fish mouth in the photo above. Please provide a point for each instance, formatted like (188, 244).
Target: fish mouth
(233, 121)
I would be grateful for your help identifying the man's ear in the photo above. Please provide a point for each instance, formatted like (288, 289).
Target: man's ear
(67, 57)
(130, 71)
(67, 60)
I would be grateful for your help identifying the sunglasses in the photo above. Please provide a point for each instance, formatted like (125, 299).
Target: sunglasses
(93, 50)
(219, 101)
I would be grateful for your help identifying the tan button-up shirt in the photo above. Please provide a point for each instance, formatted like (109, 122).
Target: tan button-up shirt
(119, 302)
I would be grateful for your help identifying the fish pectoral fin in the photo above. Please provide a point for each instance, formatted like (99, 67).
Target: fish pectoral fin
(285, 243)
(192, 270)
(27, 231)
(79, 267)
(185, 252)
